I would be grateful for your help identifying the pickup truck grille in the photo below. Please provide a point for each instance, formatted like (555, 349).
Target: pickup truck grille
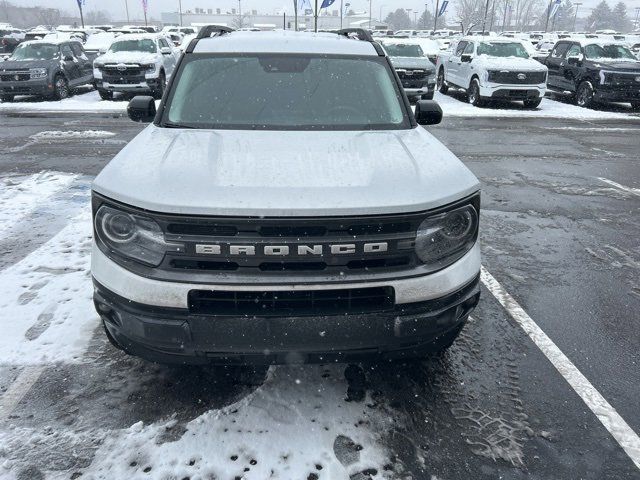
(517, 78)
(14, 75)
(126, 71)
(623, 79)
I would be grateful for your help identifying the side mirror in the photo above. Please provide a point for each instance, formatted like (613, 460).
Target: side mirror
(428, 112)
(165, 51)
(575, 59)
(68, 58)
(102, 51)
(466, 57)
(142, 108)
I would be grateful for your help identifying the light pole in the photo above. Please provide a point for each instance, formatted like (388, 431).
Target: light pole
(239, 13)
(370, 6)
(546, 24)
(315, 17)
(484, 20)
(126, 8)
(180, 10)
(435, 17)
(575, 16)
(425, 16)
(380, 16)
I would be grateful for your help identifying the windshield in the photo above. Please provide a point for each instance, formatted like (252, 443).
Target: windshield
(35, 51)
(502, 49)
(608, 52)
(144, 45)
(286, 92)
(403, 50)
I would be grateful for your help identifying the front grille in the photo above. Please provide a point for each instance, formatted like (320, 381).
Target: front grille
(412, 74)
(127, 71)
(516, 78)
(336, 246)
(623, 79)
(286, 303)
(14, 76)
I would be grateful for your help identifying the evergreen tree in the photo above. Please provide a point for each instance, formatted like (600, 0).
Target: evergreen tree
(601, 17)
(398, 20)
(622, 23)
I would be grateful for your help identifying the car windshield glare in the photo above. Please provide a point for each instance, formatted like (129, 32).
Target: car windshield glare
(403, 50)
(35, 51)
(144, 45)
(502, 49)
(594, 51)
(289, 92)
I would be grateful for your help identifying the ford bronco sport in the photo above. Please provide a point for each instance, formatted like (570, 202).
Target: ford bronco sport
(284, 206)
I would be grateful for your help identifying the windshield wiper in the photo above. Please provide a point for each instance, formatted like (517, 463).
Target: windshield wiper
(175, 125)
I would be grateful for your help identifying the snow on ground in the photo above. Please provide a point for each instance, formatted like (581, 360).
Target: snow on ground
(45, 298)
(286, 429)
(20, 196)
(85, 102)
(72, 134)
(455, 105)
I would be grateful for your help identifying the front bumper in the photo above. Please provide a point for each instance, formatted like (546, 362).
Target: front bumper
(428, 89)
(622, 93)
(40, 86)
(148, 85)
(514, 92)
(152, 319)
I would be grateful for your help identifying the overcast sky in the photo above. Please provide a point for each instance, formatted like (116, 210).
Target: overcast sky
(117, 7)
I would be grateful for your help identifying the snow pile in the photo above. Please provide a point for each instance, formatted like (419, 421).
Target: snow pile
(297, 425)
(88, 102)
(45, 299)
(456, 106)
(20, 196)
(65, 135)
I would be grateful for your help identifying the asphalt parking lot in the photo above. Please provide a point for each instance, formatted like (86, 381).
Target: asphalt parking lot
(560, 236)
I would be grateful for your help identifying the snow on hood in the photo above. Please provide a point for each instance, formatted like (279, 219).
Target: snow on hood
(616, 63)
(412, 62)
(128, 57)
(509, 63)
(285, 173)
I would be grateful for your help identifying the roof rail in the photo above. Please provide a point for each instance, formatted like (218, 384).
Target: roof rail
(361, 33)
(208, 30)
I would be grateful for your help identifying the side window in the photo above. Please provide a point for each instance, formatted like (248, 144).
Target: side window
(460, 48)
(66, 51)
(574, 51)
(77, 50)
(163, 43)
(559, 50)
(469, 48)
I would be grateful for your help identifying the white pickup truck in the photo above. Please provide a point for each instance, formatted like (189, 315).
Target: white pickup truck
(491, 68)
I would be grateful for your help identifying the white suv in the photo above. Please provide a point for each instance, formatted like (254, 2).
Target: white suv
(135, 63)
(492, 68)
(285, 205)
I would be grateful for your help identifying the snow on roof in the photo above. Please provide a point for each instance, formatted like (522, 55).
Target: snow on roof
(285, 42)
(137, 36)
(50, 41)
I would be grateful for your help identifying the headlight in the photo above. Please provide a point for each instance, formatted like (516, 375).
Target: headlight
(98, 65)
(37, 72)
(603, 77)
(444, 238)
(149, 68)
(133, 236)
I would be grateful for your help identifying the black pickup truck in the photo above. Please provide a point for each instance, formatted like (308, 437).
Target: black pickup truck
(594, 71)
(42, 67)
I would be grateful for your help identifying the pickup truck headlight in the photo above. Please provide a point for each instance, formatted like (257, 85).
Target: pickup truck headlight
(149, 68)
(133, 236)
(444, 238)
(37, 73)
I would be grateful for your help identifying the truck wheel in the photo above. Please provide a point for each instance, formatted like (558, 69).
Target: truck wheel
(532, 104)
(105, 94)
(441, 83)
(474, 93)
(162, 81)
(6, 98)
(584, 94)
(60, 87)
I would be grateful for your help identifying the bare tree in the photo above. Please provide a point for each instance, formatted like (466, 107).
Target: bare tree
(47, 16)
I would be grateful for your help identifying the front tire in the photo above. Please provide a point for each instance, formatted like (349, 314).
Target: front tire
(441, 84)
(584, 94)
(105, 94)
(61, 87)
(6, 98)
(474, 94)
(532, 104)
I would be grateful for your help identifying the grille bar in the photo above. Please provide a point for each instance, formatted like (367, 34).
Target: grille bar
(284, 303)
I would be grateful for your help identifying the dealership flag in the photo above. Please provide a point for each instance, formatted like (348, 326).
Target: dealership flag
(555, 7)
(327, 3)
(443, 8)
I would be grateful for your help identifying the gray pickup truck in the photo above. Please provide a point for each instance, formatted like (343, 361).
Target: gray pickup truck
(417, 73)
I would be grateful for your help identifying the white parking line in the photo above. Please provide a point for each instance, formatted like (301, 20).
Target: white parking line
(18, 389)
(608, 416)
(634, 191)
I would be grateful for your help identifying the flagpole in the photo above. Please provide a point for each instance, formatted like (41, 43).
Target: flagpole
(435, 17)
(316, 17)
(126, 7)
(341, 14)
(295, 12)
(81, 16)
(546, 25)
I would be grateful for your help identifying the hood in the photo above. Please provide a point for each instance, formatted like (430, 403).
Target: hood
(615, 64)
(284, 173)
(412, 62)
(128, 57)
(25, 64)
(509, 63)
